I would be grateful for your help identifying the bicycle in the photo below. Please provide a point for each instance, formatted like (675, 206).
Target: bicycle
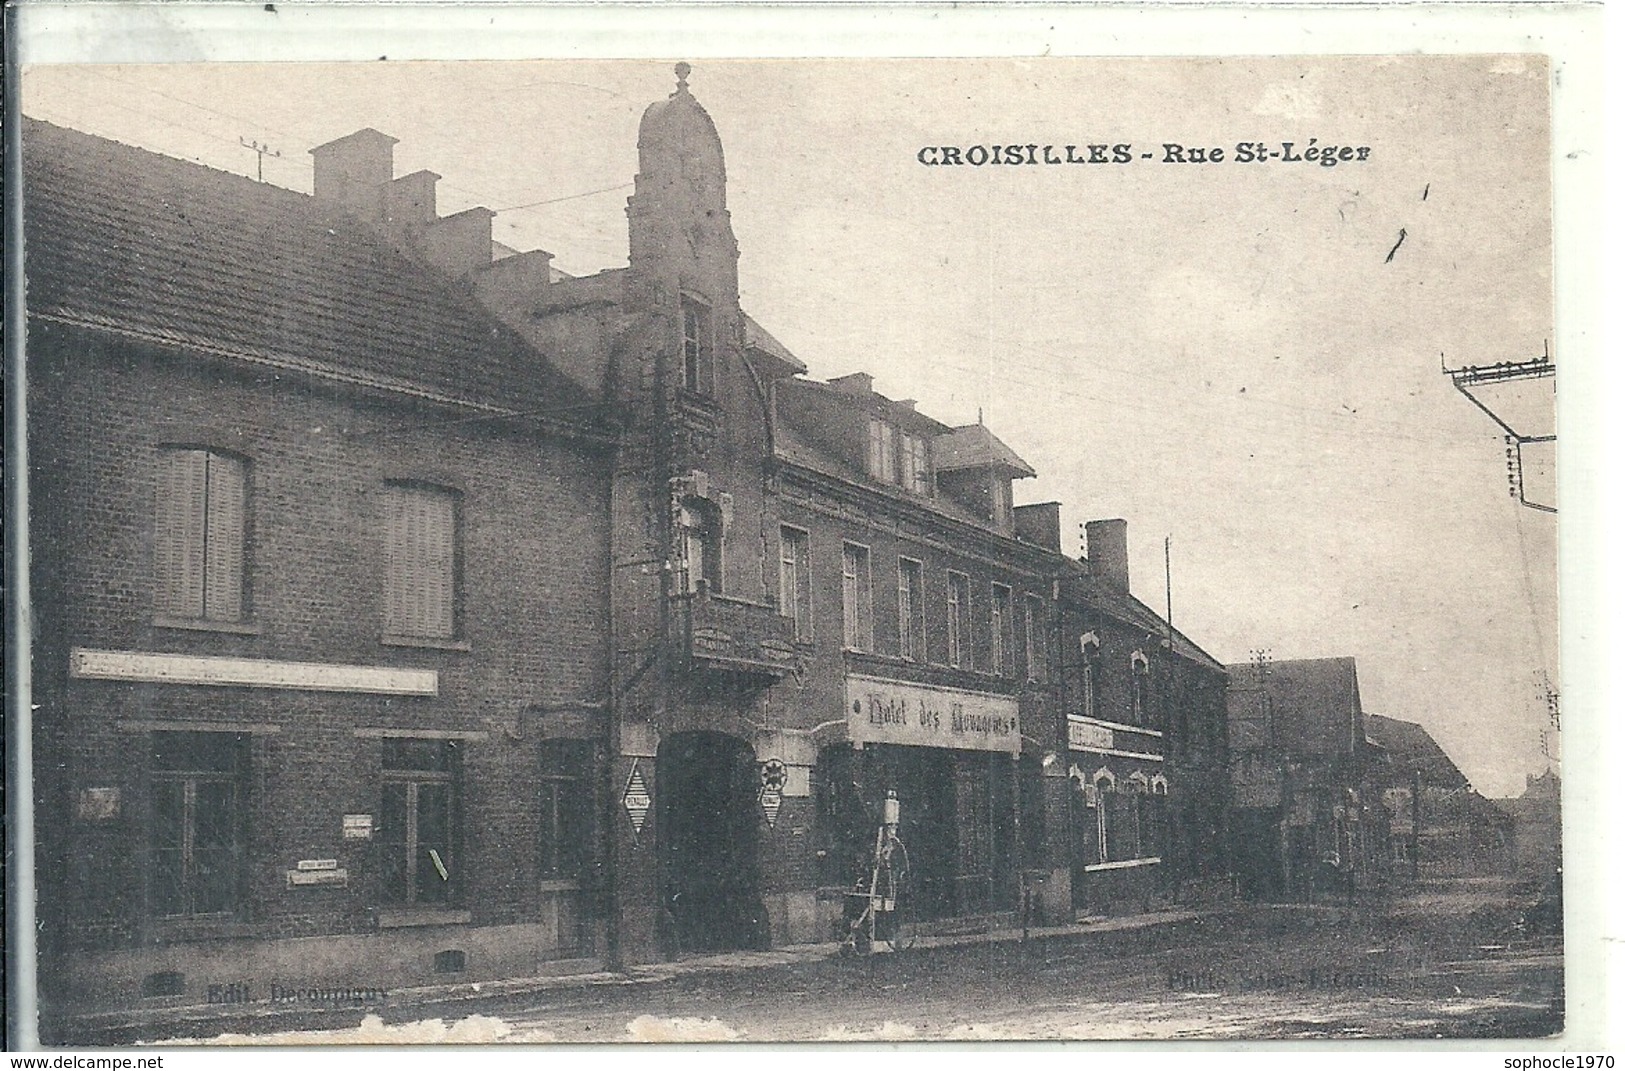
(879, 906)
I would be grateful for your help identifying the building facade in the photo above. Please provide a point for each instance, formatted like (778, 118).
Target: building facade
(1439, 825)
(1307, 822)
(409, 611)
(1145, 738)
(319, 699)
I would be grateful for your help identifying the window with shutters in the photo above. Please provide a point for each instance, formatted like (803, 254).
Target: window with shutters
(418, 822)
(916, 459)
(882, 450)
(421, 561)
(199, 535)
(857, 598)
(196, 826)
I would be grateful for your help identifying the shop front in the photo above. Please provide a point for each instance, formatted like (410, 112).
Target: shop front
(1119, 814)
(951, 758)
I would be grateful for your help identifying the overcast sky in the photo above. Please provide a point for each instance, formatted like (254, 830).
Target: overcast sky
(1225, 354)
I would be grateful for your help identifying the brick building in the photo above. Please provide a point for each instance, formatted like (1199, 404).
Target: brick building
(318, 694)
(1145, 737)
(1307, 813)
(408, 609)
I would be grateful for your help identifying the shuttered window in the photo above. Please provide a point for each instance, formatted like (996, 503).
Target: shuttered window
(420, 532)
(198, 534)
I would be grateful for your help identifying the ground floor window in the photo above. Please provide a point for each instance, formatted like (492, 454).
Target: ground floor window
(565, 809)
(198, 822)
(418, 821)
(1125, 818)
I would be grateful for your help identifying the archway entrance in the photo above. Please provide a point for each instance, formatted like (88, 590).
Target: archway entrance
(710, 875)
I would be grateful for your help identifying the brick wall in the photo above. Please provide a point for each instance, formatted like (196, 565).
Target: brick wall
(532, 615)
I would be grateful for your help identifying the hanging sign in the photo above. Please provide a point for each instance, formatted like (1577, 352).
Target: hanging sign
(922, 715)
(636, 799)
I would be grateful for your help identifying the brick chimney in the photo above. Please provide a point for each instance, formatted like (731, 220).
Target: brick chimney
(859, 383)
(353, 170)
(1040, 523)
(459, 244)
(1108, 552)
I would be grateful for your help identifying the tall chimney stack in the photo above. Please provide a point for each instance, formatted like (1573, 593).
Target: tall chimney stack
(1108, 552)
(353, 171)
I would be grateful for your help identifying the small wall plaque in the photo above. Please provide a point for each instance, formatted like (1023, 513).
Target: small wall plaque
(98, 804)
(298, 878)
(358, 827)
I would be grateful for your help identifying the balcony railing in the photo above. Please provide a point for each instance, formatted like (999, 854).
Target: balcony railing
(727, 635)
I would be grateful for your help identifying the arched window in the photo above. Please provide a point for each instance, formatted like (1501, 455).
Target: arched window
(1139, 676)
(1089, 675)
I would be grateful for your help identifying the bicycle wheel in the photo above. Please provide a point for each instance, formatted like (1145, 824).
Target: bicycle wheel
(902, 930)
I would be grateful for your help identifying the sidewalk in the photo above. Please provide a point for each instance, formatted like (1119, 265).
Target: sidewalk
(206, 1020)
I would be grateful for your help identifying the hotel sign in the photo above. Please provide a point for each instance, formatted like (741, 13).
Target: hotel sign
(921, 715)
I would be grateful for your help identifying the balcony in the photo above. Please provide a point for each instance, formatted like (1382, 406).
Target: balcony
(726, 635)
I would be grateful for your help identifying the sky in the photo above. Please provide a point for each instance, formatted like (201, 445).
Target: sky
(1242, 358)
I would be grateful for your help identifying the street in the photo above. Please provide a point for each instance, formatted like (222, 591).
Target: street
(1447, 961)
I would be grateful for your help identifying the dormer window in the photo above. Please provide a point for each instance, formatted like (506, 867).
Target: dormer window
(882, 450)
(699, 343)
(916, 458)
(1001, 501)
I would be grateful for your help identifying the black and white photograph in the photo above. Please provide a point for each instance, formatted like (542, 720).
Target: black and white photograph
(697, 548)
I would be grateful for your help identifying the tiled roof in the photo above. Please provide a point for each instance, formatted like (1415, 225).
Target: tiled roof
(1411, 747)
(1126, 609)
(174, 252)
(973, 446)
(757, 338)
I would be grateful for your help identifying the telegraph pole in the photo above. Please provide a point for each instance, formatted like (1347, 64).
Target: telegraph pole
(260, 153)
(1463, 379)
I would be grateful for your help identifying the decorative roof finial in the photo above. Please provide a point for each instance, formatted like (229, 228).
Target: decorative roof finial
(682, 77)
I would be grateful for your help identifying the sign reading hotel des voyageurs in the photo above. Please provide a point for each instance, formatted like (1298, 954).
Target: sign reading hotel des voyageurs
(921, 715)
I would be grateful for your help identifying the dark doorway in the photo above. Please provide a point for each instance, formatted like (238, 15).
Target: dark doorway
(710, 878)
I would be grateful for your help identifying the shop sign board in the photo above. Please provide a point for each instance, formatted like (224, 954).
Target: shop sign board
(921, 715)
(1084, 735)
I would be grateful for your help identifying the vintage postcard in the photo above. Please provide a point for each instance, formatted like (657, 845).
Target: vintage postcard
(840, 548)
